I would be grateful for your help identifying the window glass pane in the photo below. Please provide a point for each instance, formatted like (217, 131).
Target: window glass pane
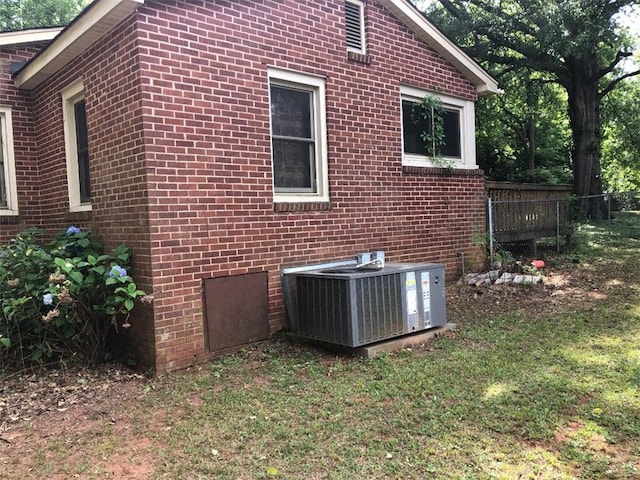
(82, 140)
(413, 124)
(291, 112)
(293, 165)
(451, 147)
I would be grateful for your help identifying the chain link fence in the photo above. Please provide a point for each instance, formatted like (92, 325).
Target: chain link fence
(520, 228)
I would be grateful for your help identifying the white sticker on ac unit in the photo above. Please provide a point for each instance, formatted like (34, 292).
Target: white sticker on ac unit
(412, 293)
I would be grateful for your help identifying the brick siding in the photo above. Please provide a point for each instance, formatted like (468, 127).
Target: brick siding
(24, 143)
(178, 117)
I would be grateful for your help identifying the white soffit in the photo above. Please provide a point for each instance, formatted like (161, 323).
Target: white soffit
(412, 18)
(91, 25)
(32, 35)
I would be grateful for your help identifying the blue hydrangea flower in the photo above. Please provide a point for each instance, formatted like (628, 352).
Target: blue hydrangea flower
(47, 299)
(72, 230)
(117, 271)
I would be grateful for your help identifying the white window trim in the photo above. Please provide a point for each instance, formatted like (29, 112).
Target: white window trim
(466, 108)
(316, 85)
(8, 156)
(70, 96)
(363, 50)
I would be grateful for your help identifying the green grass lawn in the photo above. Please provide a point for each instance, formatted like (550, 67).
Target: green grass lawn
(543, 386)
(526, 392)
(513, 397)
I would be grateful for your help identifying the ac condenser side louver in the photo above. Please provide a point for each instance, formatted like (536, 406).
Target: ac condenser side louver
(353, 307)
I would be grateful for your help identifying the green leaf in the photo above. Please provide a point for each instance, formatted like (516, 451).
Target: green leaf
(132, 288)
(91, 259)
(77, 277)
(84, 242)
(128, 304)
(100, 270)
(5, 342)
(110, 281)
(61, 262)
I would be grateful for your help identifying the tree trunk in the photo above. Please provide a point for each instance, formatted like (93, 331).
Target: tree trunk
(531, 146)
(531, 131)
(584, 116)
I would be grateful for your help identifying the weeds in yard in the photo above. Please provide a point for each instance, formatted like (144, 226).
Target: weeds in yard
(548, 389)
(519, 396)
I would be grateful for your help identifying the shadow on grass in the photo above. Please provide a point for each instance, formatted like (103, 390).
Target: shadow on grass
(518, 395)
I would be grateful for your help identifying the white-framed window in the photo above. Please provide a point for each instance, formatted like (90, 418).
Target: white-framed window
(354, 23)
(298, 136)
(8, 186)
(76, 147)
(458, 150)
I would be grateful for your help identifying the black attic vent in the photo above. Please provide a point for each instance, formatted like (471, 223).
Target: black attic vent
(354, 21)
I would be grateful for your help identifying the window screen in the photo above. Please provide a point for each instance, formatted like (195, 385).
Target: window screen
(413, 125)
(292, 123)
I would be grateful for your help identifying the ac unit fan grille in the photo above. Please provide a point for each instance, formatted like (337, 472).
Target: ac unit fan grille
(350, 312)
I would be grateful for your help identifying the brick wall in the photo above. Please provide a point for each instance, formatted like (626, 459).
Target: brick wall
(24, 143)
(178, 119)
(205, 95)
(119, 214)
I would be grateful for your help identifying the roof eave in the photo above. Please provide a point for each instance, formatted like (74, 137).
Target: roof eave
(29, 36)
(405, 12)
(91, 25)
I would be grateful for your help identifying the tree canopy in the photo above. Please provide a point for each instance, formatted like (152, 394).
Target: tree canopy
(621, 139)
(23, 14)
(577, 44)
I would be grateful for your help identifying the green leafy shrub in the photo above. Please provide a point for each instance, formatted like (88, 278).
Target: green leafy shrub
(62, 300)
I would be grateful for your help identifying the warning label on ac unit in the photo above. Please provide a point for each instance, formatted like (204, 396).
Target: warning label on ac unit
(411, 294)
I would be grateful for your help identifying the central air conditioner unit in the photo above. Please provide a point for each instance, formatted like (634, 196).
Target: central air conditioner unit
(351, 306)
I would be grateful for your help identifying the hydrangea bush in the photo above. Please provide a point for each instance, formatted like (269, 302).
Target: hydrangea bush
(62, 300)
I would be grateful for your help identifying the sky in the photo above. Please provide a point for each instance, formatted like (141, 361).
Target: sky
(632, 21)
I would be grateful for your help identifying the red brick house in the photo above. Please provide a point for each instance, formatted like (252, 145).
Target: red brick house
(224, 140)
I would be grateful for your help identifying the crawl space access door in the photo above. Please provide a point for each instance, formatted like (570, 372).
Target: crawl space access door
(236, 310)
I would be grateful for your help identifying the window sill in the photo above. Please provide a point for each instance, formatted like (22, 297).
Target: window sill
(359, 57)
(301, 206)
(454, 172)
(82, 207)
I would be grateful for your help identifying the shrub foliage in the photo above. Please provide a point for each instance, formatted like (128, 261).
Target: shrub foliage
(61, 300)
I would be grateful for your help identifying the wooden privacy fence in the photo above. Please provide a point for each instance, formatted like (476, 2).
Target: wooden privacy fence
(521, 212)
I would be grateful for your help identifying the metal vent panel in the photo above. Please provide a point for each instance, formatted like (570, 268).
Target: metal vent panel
(325, 306)
(353, 20)
(379, 308)
(352, 307)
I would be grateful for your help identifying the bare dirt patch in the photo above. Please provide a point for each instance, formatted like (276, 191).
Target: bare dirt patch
(70, 409)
